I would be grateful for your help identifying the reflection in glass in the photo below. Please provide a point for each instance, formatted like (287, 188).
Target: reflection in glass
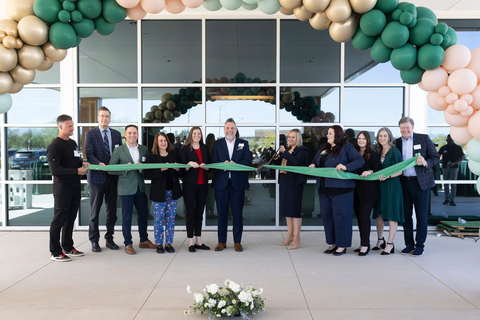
(177, 135)
(173, 56)
(51, 76)
(467, 202)
(435, 117)
(122, 103)
(310, 207)
(373, 131)
(29, 204)
(30, 104)
(242, 111)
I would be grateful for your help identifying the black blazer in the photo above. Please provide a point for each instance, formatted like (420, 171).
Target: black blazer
(368, 190)
(299, 157)
(159, 177)
(187, 155)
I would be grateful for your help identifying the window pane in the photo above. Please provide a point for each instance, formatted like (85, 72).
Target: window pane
(122, 103)
(310, 207)
(373, 131)
(83, 130)
(307, 55)
(242, 111)
(373, 105)
(51, 76)
(435, 117)
(29, 204)
(148, 135)
(467, 202)
(174, 56)
(238, 46)
(29, 106)
(111, 59)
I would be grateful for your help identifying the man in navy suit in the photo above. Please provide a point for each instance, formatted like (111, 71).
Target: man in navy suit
(416, 183)
(230, 185)
(99, 145)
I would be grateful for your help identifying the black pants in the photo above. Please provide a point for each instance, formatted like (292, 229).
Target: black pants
(195, 198)
(97, 193)
(363, 210)
(66, 203)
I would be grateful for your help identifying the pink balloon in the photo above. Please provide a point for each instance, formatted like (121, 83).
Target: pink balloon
(442, 103)
(432, 80)
(456, 57)
(467, 112)
(432, 98)
(476, 98)
(174, 6)
(461, 105)
(456, 120)
(127, 4)
(136, 13)
(451, 109)
(462, 81)
(421, 86)
(451, 98)
(460, 135)
(153, 6)
(474, 64)
(467, 97)
(474, 125)
(443, 91)
(192, 4)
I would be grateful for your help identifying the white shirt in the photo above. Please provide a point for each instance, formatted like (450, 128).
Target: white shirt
(134, 153)
(407, 153)
(230, 147)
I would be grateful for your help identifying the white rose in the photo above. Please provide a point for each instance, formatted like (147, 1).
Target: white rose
(260, 291)
(213, 288)
(222, 304)
(198, 297)
(243, 296)
(235, 287)
(224, 311)
(189, 290)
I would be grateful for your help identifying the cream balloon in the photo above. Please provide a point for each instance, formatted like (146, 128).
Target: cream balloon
(4, 23)
(21, 75)
(19, 43)
(467, 112)
(286, 12)
(460, 135)
(432, 98)
(474, 64)
(136, 13)
(451, 98)
(31, 57)
(33, 30)
(362, 6)
(320, 21)
(462, 81)
(290, 4)
(476, 98)
(468, 98)
(46, 65)
(456, 120)
(441, 102)
(53, 54)
(174, 6)
(316, 6)
(9, 42)
(6, 82)
(432, 80)
(192, 4)
(339, 11)
(456, 57)
(153, 6)
(17, 9)
(301, 13)
(443, 91)
(421, 86)
(11, 31)
(460, 106)
(2, 35)
(451, 109)
(8, 58)
(16, 88)
(342, 32)
(128, 4)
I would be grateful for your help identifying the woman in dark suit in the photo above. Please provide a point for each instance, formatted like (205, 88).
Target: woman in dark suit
(291, 186)
(195, 188)
(164, 191)
(366, 192)
(336, 195)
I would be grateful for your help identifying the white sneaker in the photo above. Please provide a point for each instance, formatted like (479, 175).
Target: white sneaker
(60, 258)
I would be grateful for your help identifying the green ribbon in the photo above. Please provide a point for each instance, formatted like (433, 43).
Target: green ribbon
(332, 173)
(123, 167)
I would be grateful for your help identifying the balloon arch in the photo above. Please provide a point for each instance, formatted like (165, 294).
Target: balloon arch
(39, 32)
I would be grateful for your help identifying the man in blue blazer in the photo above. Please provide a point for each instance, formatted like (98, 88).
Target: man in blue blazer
(416, 184)
(99, 145)
(230, 185)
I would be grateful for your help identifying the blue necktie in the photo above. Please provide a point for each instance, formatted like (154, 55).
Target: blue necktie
(106, 144)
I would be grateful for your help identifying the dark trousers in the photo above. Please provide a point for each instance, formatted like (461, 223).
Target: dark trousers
(413, 195)
(140, 201)
(97, 193)
(337, 218)
(65, 208)
(195, 198)
(363, 210)
(234, 198)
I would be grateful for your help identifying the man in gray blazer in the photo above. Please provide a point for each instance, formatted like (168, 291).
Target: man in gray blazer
(131, 189)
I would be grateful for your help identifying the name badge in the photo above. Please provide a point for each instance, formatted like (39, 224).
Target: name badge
(77, 154)
(144, 159)
(417, 147)
(116, 146)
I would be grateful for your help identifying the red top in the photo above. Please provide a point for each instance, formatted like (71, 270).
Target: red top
(201, 177)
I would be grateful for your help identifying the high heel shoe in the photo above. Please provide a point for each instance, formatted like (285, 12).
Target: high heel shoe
(294, 244)
(286, 242)
(330, 249)
(339, 253)
(362, 254)
(392, 251)
(382, 246)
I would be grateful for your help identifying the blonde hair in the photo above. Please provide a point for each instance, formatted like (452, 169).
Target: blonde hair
(299, 136)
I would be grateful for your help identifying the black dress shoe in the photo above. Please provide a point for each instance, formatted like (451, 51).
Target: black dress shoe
(382, 246)
(336, 253)
(169, 248)
(112, 245)
(160, 249)
(330, 251)
(363, 254)
(96, 247)
(191, 249)
(202, 247)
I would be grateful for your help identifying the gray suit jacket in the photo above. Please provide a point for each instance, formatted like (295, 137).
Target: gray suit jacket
(129, 181)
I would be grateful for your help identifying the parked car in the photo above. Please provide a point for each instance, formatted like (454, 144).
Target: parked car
(23, 158)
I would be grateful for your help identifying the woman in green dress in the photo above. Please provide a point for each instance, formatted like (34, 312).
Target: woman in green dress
(390, 205)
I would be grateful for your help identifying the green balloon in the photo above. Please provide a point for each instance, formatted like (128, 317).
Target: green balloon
(76, 16)
(413, 75)
(47, 10)
(84, 28)
(247, 6)
(310, 102)
(453, 36)
(240, 77)
(198, 95)
(231, 4)
(257, 80)
(248, 80)
(313, 112)
(413, 23)
(297, 95)
(212, 5)
(69, 6)
(64, 16)
(430, 57)
(373, 22)
(231, 80)
(421, 33)
(396, 14)
(296, 113)
(241, 89)
(190, 92)
(395, 35)
(446, 42)
(233, 92)
(62, 35)
(255, 90)
(113, 12)
(380, 52)
(269, 6)
(181, 92)
(441, 28)
(423, 12)
(90, 9)
(248, 92)
(406, 18)
(184, 100)
(289, 107)
(361, 41)
(404, 58)
(77, 42)
(307, 119)
(103, 27)
(436, 39)
(304, 112)
(386, 6)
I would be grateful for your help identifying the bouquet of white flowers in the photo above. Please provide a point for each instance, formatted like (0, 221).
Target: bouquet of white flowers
(232, 300)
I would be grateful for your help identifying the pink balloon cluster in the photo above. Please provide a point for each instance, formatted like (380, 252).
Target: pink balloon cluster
(138, 9)
(454, 88)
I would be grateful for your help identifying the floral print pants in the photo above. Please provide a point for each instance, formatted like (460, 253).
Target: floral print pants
(164, 211)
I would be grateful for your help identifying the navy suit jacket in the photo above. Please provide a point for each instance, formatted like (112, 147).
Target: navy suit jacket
(96, 152)
(241, 155)
(299, 157)
(425, 176)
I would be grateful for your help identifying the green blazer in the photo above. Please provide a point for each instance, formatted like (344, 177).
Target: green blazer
(129, 181)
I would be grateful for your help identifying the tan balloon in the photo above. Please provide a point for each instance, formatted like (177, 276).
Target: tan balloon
(19, 43)
(47, 65)
(11, 31)
(320, 21)
(362, 6)
(316, 6)
(21, 75)
(6, 82)
(342, 32)
(9, 42)
(33, 30)
(290, 4)
(339, 11)
(4, 23)
(31, 57)
(8, 58)
(285, 11)
(17, 9)
(16, 88)
(302, 14)
(2, 35)
(53, 54)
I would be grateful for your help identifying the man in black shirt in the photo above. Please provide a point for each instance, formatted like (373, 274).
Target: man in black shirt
(66, 165)
(452, 155)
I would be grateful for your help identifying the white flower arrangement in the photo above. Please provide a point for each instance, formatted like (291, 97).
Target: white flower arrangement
(232, 300)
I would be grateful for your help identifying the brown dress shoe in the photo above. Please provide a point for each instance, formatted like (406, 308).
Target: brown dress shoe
(238, 247)
(147, 245)
(129, 249)
(220, 246)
